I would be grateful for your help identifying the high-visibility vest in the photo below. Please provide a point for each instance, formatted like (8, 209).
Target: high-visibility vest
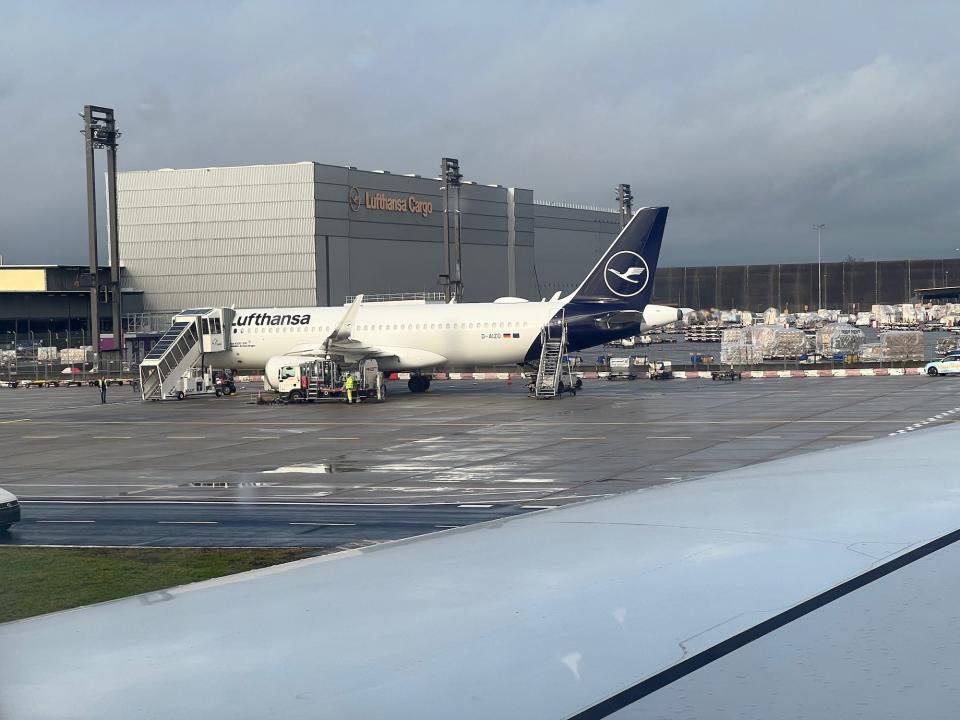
(349, 382)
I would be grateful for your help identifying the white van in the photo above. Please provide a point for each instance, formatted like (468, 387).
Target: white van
(949, 364)
(9, 509)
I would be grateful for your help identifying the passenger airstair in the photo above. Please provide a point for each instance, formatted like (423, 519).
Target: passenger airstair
(553, 348)
(181, 349)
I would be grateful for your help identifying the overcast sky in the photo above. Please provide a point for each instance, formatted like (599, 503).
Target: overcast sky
(752, 121)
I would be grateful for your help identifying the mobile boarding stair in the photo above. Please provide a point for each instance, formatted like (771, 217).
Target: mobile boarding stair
(181, 349)
(553, 373)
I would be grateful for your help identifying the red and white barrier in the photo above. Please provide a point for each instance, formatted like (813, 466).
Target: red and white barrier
(678, 374)
(853, 372)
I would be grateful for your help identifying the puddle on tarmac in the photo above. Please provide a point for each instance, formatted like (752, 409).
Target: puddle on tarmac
(220, 484)
(316, 469)
(342, 467)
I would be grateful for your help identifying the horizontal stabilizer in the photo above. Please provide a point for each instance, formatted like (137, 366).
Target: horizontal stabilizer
(612, 321)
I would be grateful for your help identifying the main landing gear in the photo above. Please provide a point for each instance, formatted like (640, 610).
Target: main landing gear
(419, 383)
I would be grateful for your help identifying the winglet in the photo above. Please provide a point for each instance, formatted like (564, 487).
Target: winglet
(345, 326)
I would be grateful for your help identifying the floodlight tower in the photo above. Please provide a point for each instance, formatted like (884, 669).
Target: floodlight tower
(100, 132)
(625, 202)
(819, 228)
(450, 176)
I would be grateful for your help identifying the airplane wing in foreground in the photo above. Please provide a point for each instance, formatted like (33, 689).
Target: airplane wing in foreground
(595, 610)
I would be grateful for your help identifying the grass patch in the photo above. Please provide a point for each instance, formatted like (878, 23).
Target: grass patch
(34, 581)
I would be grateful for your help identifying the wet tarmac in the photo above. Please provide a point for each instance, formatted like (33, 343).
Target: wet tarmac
(227, 472)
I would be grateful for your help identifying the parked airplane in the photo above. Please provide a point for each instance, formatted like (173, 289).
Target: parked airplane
(609, 304)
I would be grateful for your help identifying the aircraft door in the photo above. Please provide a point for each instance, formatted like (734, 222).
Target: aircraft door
(215, 329)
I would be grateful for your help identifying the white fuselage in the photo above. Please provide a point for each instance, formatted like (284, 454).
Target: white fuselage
(423, 335)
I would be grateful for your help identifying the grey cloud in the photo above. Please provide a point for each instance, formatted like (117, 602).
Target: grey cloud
(752, 120)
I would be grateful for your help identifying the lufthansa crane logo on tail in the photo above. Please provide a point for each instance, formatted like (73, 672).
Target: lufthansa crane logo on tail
(626, 274)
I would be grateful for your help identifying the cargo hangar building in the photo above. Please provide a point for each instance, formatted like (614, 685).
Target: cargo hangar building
(307, 234)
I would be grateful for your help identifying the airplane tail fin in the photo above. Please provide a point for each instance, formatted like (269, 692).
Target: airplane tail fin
(624, 274)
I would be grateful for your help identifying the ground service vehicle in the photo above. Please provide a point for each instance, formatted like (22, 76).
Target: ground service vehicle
(729, 374)
(223, 383)
(623, 368)
(203, 381)
(660, 370)
(312, 379)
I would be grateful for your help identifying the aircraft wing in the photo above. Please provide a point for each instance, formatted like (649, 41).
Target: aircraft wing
(354, 350)
(340, 342)
(602, 609)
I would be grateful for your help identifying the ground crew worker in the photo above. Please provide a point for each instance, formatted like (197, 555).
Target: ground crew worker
(102, 384)
(349, 387)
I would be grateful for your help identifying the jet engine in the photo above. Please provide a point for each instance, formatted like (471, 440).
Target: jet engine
(659, 315)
